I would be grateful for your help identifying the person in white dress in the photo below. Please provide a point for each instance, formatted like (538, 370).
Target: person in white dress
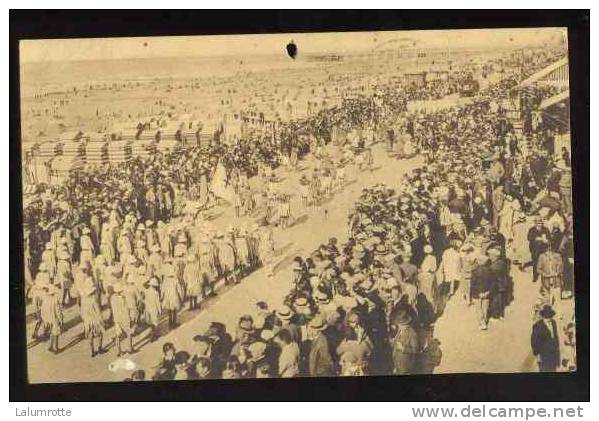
(91, 316)
(427, 280)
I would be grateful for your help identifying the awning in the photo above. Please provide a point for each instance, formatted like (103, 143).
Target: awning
(545, 72)
(554, 99)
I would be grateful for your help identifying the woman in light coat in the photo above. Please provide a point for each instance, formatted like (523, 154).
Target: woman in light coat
(152, 306)
(123, 327)
(427, 279)
(91, 317)
(506, 219)
(52, 316)
(192, 278)
(49, 259)
(37, 294)
(171, 294)
(88, 250)
(164, 237)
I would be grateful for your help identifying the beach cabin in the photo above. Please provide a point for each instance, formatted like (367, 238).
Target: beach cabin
(417, 78)
(143, 148)
(437, 75)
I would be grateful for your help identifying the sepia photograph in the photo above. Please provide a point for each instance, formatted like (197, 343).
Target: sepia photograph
(317, 204)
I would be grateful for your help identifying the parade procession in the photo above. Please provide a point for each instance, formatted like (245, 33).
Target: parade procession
(395, 209)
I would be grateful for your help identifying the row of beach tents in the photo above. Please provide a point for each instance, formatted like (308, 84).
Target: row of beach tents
(50, 161)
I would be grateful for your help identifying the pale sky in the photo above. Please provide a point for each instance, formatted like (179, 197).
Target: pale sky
(244, 45)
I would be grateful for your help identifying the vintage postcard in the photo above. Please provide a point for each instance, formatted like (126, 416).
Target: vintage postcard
(296, 205)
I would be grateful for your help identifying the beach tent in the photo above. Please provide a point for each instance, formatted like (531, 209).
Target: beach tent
(96, 152)
(119, 151)
(48, 149)
(73, 149)
(143, 147)
(168, 145)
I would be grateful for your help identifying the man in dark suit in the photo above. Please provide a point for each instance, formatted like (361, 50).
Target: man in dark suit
(405, 344)
(499, 282)
(320, 360)
(544, 340)
(538, 238)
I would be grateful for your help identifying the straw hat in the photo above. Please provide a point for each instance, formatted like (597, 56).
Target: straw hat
(380, 249)
(284, 313)
(318, 323)
(301, 302)
(322, 297)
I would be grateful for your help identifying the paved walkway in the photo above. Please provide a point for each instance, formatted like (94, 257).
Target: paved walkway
(505, 346)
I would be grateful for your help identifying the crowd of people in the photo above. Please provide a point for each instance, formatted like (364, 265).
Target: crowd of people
(456, 228)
